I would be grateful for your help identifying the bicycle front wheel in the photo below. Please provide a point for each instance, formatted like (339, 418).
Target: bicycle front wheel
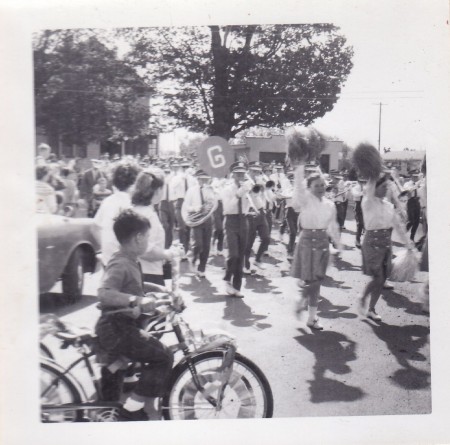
(57, 390)
(247, 394)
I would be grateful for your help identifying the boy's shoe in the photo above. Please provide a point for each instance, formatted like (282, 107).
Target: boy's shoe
(388, 286)
(315, 325)
(200, 274)
(358, 244)
(132, 416)
(230, 290)
(373, 315)
(246, 271)
(238, 294)
(290, 256)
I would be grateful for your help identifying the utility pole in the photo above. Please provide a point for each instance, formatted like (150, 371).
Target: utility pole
(379, 126)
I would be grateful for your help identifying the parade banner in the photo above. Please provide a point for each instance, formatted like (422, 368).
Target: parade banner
(215, 155)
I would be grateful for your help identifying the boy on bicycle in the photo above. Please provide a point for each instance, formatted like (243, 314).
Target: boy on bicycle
(123, 300)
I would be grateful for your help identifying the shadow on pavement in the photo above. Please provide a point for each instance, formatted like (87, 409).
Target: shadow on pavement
(332, 351)
(329, 310)
(52, 301)
(404, 342)
(203, 291)
(340, 264)
(396, 300)
(331, 282)
(240, 314)
(260, 285)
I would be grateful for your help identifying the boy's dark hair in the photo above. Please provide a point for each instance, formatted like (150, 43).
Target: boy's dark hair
(129, 224)
(145, 187)
(124, 176)
(41, 171)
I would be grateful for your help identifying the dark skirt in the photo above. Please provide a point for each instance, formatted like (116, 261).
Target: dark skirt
(377, 252)
(311, 255)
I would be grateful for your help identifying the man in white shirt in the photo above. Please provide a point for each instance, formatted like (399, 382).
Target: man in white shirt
(167, 206)
(256, 218)
(235, 207)
(181, 182)
(199, 198)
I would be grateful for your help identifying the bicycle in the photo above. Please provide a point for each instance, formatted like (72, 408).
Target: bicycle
(210, 378)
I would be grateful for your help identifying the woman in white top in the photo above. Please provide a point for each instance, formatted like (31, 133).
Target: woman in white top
(318, 221)
(124, 176)
(148, 191)
(380, 217)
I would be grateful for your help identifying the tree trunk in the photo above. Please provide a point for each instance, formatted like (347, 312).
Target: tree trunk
(221, 107)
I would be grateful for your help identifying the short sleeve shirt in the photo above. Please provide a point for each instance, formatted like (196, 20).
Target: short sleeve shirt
(123, 274)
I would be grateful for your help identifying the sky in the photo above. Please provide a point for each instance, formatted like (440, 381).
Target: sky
(397, 62)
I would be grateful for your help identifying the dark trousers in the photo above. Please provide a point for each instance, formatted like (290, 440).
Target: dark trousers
(184, 232)
(167, 217)
(269, 218)
(257, 224)
(359, 221)
(202, 242)
(292, 221)
(121, 335)
(236, 230)
(341, 210)
(218, 226)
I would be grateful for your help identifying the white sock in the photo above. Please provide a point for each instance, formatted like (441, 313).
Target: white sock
(133, 405)
(312, 313)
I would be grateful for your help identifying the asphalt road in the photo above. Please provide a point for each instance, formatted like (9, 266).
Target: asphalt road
(354, 367)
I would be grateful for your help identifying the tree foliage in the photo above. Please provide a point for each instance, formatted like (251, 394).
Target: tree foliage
(83, 91)
(224, 79)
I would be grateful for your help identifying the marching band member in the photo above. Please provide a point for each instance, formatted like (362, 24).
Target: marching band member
(271, 202)
(167, 206)
(235, 207)
(280, 180)
(181, 182)
(341, 201)
(218, 233)
(291, 216)
(357, 193)
(257, 221)
(317, 217)
(195, 199)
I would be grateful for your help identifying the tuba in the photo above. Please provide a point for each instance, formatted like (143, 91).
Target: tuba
(194, 219)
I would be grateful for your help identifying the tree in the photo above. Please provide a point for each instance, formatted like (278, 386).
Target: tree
(83, 91)
(223, 80)
(189, 144)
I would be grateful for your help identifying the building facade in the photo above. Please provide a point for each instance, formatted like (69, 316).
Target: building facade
(405, 161)
(274, 148)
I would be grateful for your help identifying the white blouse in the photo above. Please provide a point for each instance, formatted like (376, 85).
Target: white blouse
(157, 238)
(379, 213)
(315, 213)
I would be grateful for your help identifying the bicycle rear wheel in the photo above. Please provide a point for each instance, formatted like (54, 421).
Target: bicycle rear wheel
(247, 395)
(57, 389)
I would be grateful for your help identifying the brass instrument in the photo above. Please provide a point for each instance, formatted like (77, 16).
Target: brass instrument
(194, 219)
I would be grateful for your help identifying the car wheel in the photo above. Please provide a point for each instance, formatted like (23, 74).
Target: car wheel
(73, 277)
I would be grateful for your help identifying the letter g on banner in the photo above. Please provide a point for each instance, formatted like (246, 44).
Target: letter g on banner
(216, 158)
(215, 155)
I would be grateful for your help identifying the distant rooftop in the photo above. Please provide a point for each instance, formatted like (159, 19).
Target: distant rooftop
(403, 155)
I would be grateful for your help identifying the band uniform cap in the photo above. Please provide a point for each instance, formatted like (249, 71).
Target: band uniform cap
(238, 167)
(255, 165)
(166, 168)
(185, 163)
(279, 166)
(202, 174)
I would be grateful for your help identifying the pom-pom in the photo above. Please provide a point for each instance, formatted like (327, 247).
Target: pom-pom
(304, 145)
(404, 266)
(367, 160)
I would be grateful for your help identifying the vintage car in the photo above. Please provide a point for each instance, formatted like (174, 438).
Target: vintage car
(67, 249)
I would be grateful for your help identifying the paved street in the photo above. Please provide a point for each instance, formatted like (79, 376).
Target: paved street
(354, 367)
